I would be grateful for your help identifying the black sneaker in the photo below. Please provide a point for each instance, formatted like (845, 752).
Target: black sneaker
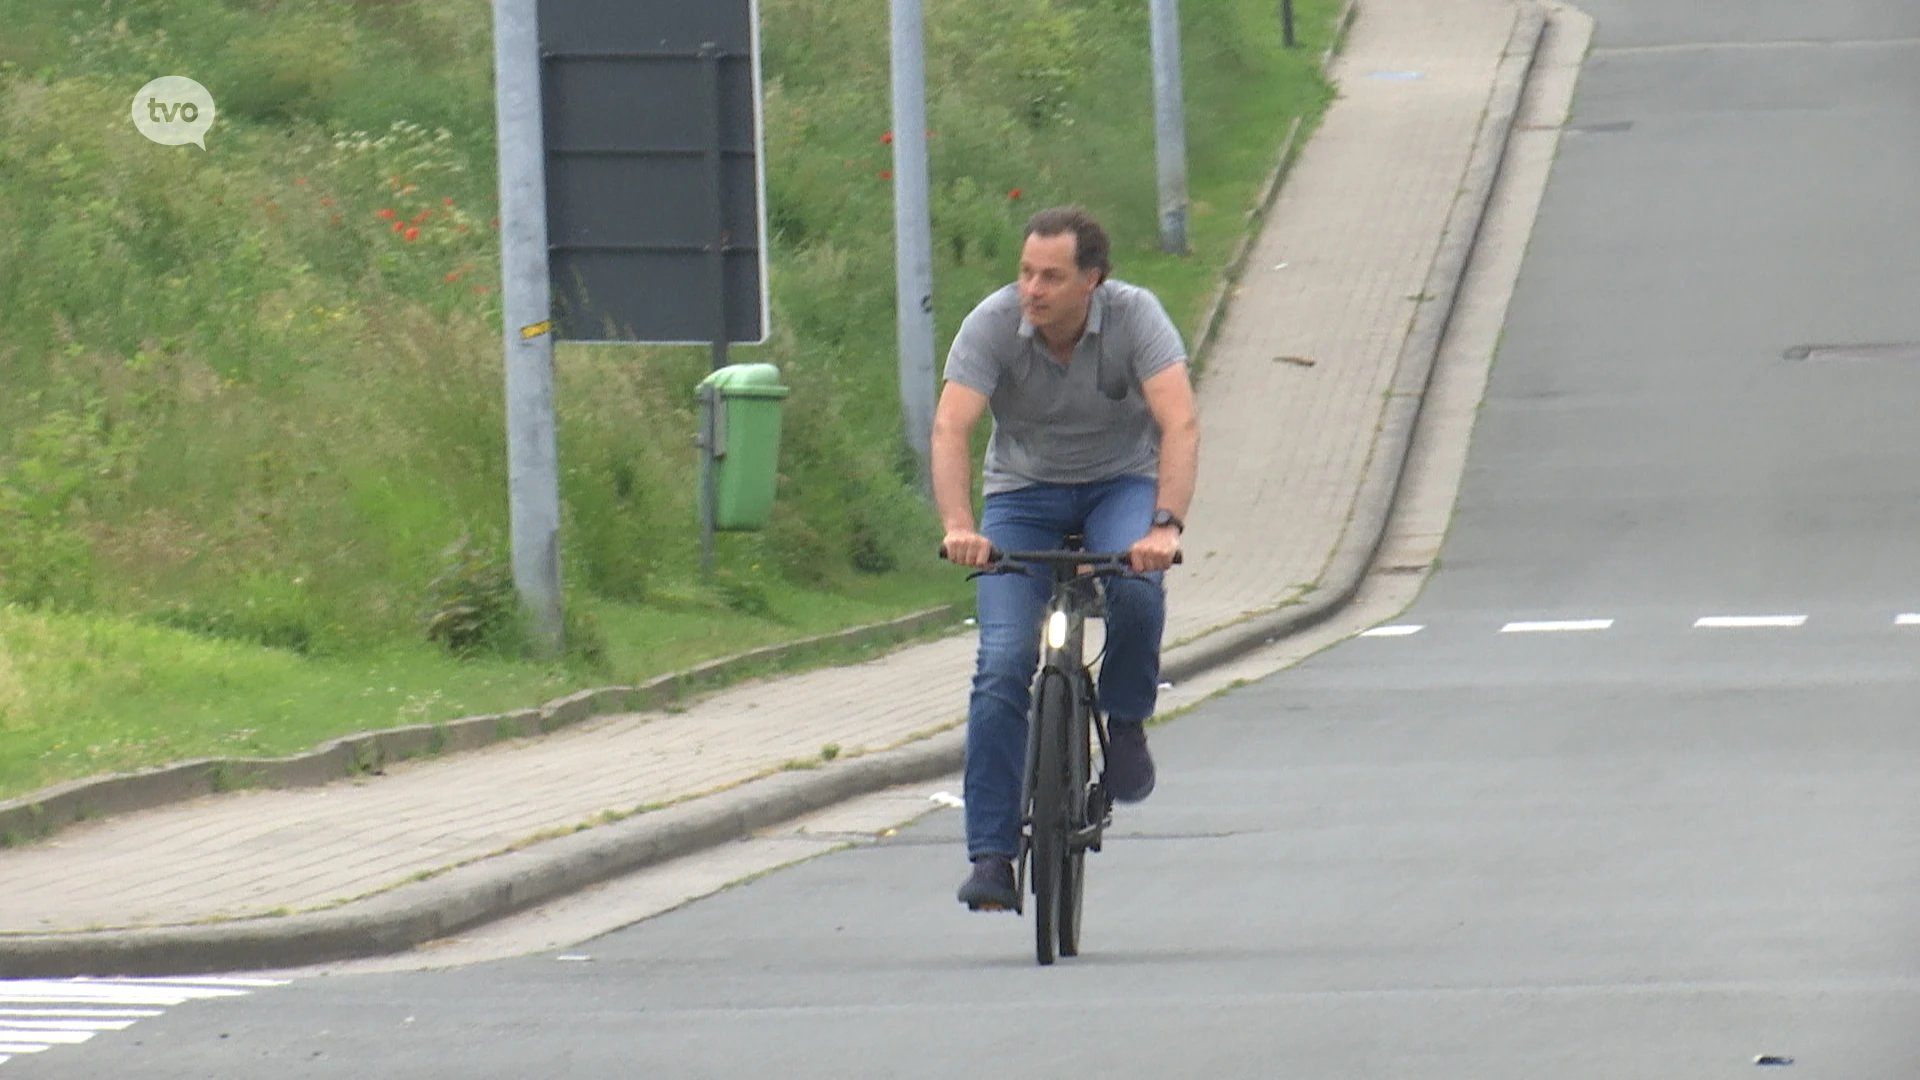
(1129, 769)
(990, 887)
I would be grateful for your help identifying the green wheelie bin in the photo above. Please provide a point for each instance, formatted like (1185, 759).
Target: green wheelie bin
(741, 404)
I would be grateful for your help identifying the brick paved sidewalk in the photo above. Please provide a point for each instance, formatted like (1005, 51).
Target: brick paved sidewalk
(1334, 279)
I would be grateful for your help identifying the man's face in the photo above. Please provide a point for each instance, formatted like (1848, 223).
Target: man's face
(1054, 292)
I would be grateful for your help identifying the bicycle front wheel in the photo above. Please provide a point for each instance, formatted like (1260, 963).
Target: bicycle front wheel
(1054, 717)
(1073, 866)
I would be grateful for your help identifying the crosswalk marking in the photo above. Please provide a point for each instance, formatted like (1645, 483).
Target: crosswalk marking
(205, 980)
(37, 1015)
(49, 1038)
(81, 993)
(135, 1013)
(10, 1024)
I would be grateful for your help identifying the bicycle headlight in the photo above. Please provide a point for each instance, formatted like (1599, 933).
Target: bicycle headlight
(1057, 630)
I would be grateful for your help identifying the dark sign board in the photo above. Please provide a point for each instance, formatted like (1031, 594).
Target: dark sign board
(652, 127)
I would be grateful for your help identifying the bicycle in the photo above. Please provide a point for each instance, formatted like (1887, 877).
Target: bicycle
(1066, 809)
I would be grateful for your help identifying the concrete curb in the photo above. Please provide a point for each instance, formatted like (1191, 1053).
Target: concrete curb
(492, 888)
(478, 892)
(1341, 24)
(1367, 529)
(34, 816)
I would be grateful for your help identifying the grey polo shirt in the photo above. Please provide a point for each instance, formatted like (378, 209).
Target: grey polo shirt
(1053, 424)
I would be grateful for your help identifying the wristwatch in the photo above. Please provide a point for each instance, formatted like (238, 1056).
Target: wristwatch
(1164, 516)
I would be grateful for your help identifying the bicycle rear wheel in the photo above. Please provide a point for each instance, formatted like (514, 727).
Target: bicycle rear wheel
(1049, 812)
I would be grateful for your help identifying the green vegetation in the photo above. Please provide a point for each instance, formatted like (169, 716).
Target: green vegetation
(251, 457)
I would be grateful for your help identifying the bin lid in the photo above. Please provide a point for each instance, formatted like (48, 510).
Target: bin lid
(747, 381)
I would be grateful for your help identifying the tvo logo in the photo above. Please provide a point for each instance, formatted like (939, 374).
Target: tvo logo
(174, 110)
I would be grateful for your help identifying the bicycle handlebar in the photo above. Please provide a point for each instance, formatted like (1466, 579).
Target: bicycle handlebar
(1068, 558)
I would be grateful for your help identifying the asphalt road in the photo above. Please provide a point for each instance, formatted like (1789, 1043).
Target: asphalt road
(1649, 848)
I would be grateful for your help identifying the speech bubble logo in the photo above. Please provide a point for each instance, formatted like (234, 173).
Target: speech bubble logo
(173, 110)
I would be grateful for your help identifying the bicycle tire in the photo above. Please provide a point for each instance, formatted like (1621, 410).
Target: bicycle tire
(1049, 811)
(1073, 869)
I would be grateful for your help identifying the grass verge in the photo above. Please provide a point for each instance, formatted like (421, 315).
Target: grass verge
(251, 447)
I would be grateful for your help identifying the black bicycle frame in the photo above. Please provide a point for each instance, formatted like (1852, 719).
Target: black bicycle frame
(1074, 598)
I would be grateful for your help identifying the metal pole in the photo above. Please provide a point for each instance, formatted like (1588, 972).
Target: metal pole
(1169, 126)
(710, 406)
(913, 237)
(1286, 24)
(717, 262)
(533, 473)
(717, 238)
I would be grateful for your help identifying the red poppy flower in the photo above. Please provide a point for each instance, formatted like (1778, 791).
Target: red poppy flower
(886, 174)
(453, 276)
(412, 234)
(1014, 194)
(388, 214)
(448, 201)
(399, 226)
(463, 228)
(887, 138)
(424, 215)
(326, 202)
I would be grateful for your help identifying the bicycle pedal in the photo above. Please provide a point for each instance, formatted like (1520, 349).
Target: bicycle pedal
(1100, 804)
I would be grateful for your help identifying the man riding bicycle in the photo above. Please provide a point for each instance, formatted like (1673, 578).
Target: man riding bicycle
(1094, 433)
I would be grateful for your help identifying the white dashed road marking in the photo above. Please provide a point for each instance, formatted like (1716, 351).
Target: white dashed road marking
(1555, 626)
(1746, 622)
(1705, 622)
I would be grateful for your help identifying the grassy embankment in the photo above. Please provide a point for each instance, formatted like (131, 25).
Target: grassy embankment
(251, 434)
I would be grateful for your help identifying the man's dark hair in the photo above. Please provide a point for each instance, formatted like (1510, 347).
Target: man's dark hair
(1090, 247)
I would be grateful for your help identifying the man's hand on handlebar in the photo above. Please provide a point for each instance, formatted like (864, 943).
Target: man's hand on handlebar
(967, 548)
(1155, 551)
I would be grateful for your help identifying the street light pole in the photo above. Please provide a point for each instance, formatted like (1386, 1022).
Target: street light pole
(1169, 126)
(913, 236)
(533, 473)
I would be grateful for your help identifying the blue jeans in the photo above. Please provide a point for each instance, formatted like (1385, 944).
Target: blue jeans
(1111, 515)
